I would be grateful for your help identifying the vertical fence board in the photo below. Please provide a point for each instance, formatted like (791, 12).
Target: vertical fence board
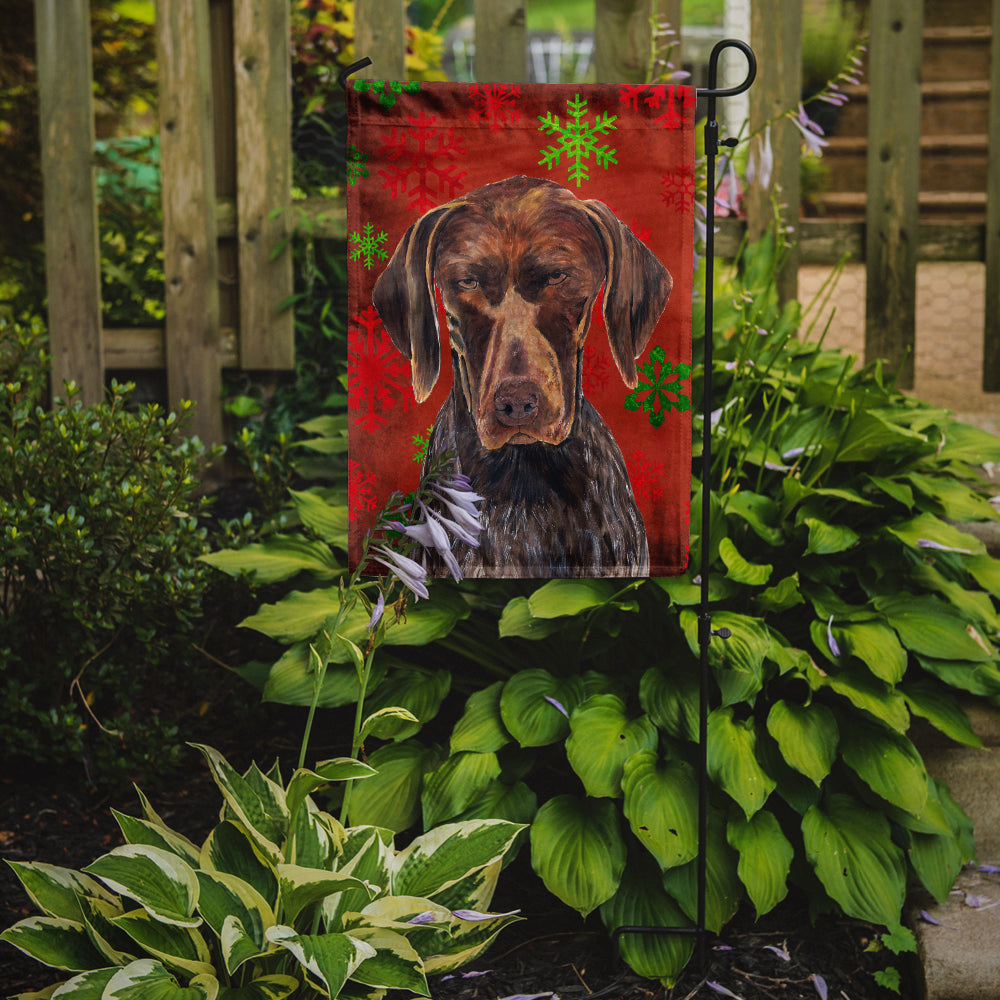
(501, 41)
(380, 34)
(991, 333)
(72, 256)
(893, 183)
(190, 254)
(621, 40)
(776, 34)
(262, 61)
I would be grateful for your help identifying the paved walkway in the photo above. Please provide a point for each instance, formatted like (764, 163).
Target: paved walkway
(951, 302)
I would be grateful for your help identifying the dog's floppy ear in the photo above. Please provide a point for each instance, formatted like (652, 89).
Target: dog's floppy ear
(404, 299)
(635, 290)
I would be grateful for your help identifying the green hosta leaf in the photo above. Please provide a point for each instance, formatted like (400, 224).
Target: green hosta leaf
(560, 598)
(391, 798)
(758, 511)
(928, 528)
(738, 569)
(481, 728)
(301, 887)
(159, 881)
(807, 736)
(456, 784)
(937, 858)
(957, 501)
(965, 443)
(738, 661)
(986, 571)
(684, 593)
(864, 691)
(931, 628)
(516, 803)
(641, 901)
(602, 738)
(850, 847)
(671, 700)
(827, 539)
(783, 595)
(765, 858)
(723, 889)
(517, 620)
(330, 959)
(732, 760)
(54, 941)
(893, 488)
(226, 898)
(292, 680)
(876, 646)
(976, 678)
(975, 605)
(230, 849)
(417, 690)
(661, 799)
(177, 947)
(941, 709)
(578, 851)
(147, 979)
(870, 436)
(395, 964)
(142, 831)
(528, 710)
(56, 891)
(327, 520)
(260, 806)
(275, 987)
(279, 558)
(438, 859)
(888, 763)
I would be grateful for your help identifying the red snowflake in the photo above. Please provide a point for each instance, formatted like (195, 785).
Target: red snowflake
(494, 104)
(678, 188)
(596, 371)
(431, 163)
(360, 491)
(377, 374)
(675, 100)
(641, 232)
(646, 476)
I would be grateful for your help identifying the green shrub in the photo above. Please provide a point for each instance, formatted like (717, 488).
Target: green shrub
(279, 900)
(101, 584)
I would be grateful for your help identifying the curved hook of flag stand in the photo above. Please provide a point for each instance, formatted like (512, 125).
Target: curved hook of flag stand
(705, 631)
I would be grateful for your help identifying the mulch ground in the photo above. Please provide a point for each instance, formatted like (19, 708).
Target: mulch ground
(550, 953)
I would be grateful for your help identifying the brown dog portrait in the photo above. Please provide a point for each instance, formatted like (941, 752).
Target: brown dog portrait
(519, 265)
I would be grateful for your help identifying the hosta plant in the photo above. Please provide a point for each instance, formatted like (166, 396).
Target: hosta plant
(279, 900)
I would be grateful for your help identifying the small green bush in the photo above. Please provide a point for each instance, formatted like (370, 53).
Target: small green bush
(99, 578)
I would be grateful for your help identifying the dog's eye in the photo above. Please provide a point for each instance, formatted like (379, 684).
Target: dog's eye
(467, 284)
(556, 278)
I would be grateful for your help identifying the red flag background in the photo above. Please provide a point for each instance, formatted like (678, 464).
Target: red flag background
(414, 147)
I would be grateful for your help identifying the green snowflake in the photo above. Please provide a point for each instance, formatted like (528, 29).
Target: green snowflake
(420, 442)
(368, 246)
(663, 387)
(386, 91)
(355, 162)
(578, 140)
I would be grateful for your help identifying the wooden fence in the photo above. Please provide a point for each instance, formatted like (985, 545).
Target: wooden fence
(226, 160)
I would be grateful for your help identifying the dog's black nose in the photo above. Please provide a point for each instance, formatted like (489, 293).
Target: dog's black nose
(515, 403)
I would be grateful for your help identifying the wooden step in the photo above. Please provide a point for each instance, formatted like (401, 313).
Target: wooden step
(958, 206)
(956, 53)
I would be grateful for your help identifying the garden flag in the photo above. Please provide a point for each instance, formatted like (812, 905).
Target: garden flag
(519, 261)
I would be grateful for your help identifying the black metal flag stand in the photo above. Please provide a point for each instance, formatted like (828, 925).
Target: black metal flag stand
(705, 631)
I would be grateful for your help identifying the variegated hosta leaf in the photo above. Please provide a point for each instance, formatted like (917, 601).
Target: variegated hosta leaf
(329, 959)
(415, 690)
(158, 880)
(86, 986)
(441, 857)
(230, 849)
(807, 736)
(578, 851)
(256, 801)
(732, 760)
(274, 987)
(602, 737)
(535, 706)
(481, 727)
(642, 902)
(661, 799)
(300, 887)
(54, 941)
(147, 979)
(177, 947)
(99, 915)
(850, 847)
(395, 964)
(56, 891)
(476, 890)
(888, 763)
(315, 838)
(765, 858)
(723, 889)
(304, 782)
(225, 897)
(141, 831)
(456, 784)
(466, 941)
(367, 853)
